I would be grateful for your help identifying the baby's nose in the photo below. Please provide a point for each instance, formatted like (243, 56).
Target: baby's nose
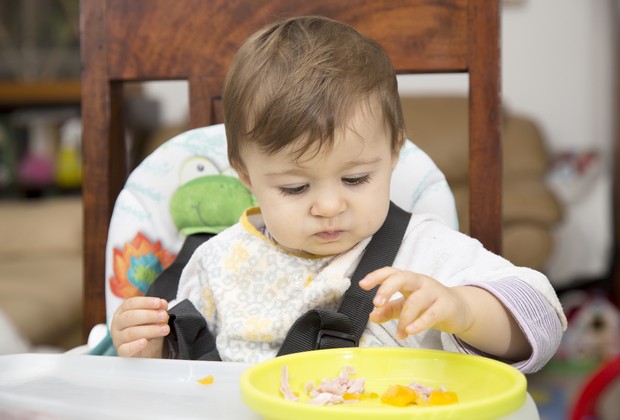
(328, 204)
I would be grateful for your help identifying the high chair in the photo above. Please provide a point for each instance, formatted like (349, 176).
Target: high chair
(195, 40)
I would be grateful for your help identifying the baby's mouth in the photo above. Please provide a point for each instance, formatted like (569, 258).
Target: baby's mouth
(329, 235)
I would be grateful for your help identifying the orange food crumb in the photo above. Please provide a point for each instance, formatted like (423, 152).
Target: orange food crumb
(361, 396)
(207, 380)
(442, 398)
(399, 396)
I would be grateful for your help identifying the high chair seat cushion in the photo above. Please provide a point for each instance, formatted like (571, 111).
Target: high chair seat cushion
(145, 233)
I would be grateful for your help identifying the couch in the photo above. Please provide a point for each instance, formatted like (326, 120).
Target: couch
(438, 124)
(41, 256)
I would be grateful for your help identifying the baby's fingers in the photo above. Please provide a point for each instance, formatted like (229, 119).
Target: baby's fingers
(137, 317)
(145, 332)
(143, 302)
(392, 281)
(376, 277)
(421, 310)
(390, 310)
(132, 348)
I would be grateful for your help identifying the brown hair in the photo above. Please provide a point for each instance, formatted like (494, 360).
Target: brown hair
(303, 77)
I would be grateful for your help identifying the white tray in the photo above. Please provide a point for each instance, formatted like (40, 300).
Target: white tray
(63, 386)
(67, 386)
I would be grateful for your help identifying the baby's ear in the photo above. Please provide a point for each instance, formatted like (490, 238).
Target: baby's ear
(399, 145)
(401, 141)
(395, 157)
(244, 178)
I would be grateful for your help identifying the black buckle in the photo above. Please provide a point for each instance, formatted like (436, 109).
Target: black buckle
(353, 340)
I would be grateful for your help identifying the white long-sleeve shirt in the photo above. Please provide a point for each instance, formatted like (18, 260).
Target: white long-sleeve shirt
(251, 291)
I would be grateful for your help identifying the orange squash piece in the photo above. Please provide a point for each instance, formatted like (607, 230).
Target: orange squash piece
(207, 380)
(442, 398)
(399, 396)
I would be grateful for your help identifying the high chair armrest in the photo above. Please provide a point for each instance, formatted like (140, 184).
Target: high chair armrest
(96, 335)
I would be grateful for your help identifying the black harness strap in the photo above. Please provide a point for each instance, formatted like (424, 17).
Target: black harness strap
(322, 329)
(189, 337)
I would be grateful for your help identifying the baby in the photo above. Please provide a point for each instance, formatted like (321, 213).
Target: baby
(314, 129)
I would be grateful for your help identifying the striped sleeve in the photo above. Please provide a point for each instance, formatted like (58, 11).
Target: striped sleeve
(536, 317)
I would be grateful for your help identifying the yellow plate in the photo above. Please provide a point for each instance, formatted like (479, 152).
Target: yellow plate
(487, 389)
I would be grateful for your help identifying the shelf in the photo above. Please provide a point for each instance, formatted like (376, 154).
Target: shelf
(13, 94)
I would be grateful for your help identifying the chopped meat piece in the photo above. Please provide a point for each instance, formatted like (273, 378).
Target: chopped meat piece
(326, 398)
(285, 387)
(422, 391)
(329, 391)
(333, 391)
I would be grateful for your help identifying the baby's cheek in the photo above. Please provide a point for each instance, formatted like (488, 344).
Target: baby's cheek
(285, 230)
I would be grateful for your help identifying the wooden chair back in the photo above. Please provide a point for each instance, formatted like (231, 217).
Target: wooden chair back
(195, 40)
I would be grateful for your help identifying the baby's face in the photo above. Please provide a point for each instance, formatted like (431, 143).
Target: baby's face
(325, 203)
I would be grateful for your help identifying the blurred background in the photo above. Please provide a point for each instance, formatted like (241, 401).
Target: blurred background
(561, 98)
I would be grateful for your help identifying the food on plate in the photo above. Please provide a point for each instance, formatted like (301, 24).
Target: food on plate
(344, 389)
(285, 388)
(340, 390)
(207, 380)
(414, 393)
(439, 397)
(399, 395)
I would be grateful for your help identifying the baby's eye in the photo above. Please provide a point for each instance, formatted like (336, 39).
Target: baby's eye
(293, 190)
(356, 180)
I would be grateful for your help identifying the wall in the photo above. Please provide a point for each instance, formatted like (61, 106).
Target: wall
(556, 67)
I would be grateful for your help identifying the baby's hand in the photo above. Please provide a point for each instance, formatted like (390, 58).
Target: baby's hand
(425, 303)
(139, 326)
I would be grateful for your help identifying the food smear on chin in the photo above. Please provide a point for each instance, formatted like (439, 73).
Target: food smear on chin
(340, 390)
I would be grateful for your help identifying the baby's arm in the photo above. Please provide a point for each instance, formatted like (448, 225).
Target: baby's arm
(139, 326)
(471, 313)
